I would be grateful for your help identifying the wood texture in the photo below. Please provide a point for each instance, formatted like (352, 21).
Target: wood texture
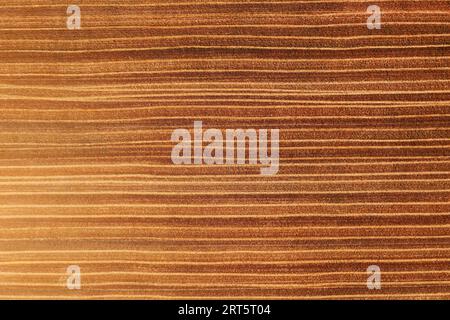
(86, 176)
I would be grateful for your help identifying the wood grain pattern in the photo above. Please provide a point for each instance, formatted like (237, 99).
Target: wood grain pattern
(86, 176)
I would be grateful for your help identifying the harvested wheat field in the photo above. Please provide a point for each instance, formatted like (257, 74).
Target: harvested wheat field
(90, 195)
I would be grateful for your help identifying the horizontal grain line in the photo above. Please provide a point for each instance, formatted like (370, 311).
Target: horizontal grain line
(244, 93)
(213, 193)
(229, 60)
(245, 87)
(231, 36)
(312, 103)
(217, 285)
(200, 26)
(279, 175)
(257, 14)
(417, 295)
(197, 252)
(324, 161)
(23, 132)
(204, 3)
(158, 183)
(192, 70)
(284, 239)
(208, 274)
(309, 48)
(350, 104)
(188, 166)
(138, 142)
(115, 120)
(437, 147)
(218, 205)
(253, 262)
(214, 95)
(190, 228)
(224, 216)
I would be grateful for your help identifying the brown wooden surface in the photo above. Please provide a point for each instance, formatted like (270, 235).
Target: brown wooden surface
(86, 176)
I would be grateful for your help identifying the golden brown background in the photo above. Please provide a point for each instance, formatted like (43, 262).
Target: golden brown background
(85, 171)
